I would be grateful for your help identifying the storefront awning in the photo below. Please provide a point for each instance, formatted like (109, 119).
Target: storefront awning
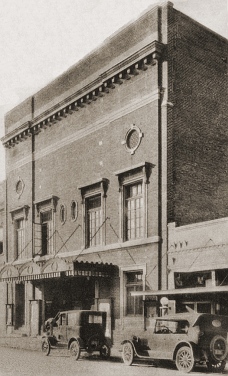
(54, 268)
(184, 291)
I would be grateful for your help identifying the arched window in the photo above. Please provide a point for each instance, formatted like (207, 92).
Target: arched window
(74, 210)
(62, 214)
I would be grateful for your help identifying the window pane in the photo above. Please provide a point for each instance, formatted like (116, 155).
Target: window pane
(134, 282)
(134, 205)
(94, 220)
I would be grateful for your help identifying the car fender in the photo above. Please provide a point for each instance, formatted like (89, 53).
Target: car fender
(53, 340)
(78, 339)
(132, 342)
(185, 343)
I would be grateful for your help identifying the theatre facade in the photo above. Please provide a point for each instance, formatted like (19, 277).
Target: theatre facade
(100, 161)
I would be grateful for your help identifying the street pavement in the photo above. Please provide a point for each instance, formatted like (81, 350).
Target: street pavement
(17, 362)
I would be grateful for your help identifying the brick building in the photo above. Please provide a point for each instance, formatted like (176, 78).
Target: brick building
(131, 138)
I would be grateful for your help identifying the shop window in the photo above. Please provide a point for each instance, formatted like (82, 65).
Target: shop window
(134, 282)
(196, 279)
(93, 199)
(133, 209)
(200, 307)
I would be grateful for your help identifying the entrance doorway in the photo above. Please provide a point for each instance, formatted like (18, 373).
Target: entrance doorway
(20, 305)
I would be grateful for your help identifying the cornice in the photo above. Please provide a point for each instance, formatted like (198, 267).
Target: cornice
(116, 75)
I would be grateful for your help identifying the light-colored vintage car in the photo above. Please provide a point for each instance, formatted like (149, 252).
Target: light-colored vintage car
(186, 339)
(77, 331)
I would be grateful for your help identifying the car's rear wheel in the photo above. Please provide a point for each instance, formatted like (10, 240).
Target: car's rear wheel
(185, 359)
(218, 348)
(75, 350)
(46, 347)
(105, 351)
(128, 353)
(212, 366)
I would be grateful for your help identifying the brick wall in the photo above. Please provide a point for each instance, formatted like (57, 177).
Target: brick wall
(199, 133)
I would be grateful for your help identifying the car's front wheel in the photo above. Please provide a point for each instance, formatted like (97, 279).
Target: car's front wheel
(46, 347)
(213, 366)
(185, 359)
(75, 350)
(127, 353)
(105, 351)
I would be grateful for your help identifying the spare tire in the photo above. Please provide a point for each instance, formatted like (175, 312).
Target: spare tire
(218, 348)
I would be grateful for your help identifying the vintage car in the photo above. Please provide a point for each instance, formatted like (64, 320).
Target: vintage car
(77, 331)
(186, 339)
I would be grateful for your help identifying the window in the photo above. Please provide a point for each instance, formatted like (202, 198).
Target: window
(74, 210)
(46, 233)
(62, 214)
(94, 196)
(133, 186)
(1, 240)
(133, 139)
(93, 220)
(19, 220)
(134, 282)
(44, 227)
(134, 209)
(20, 237)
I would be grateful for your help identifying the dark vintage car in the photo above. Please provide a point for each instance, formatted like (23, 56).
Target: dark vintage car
(186, 339)
(78, 331)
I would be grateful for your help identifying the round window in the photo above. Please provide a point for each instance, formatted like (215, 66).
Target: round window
(19, 186)
(133, 138)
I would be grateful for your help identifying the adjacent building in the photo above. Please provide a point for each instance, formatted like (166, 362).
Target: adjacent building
(99, 165)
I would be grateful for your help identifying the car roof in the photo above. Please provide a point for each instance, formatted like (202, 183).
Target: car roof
(81, 311)
(191, 317)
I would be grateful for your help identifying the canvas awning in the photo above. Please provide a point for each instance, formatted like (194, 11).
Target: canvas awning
(55, 268)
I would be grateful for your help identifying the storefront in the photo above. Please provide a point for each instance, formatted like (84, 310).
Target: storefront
(35, 292)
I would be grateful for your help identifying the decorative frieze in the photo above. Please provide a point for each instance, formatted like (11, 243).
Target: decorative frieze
(107, 82)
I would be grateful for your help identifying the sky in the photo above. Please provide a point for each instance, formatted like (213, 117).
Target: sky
(40, 39)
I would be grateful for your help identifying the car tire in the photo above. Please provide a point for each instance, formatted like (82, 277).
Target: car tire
(105, 351)
(185, 359)
(128, 353)
(212, 366)
(218, 348)
(46, 347)
(75, 350)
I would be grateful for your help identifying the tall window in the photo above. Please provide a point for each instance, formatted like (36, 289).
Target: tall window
(93, 220)
(134, 282)
(133, 201)
(94, 212)
(44, 229)
(46, 232)
(1, 240)
(20, 237)
(134, 211)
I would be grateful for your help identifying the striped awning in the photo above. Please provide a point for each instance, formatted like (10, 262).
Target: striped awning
(54, 268)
